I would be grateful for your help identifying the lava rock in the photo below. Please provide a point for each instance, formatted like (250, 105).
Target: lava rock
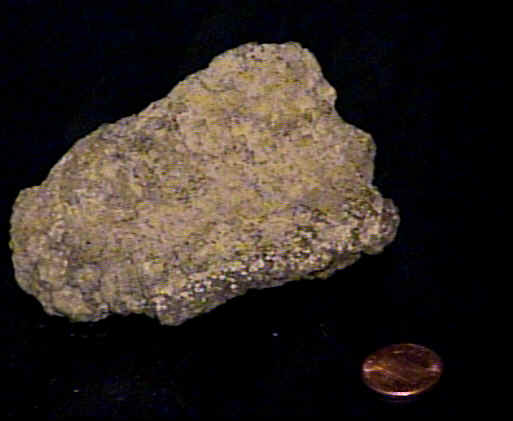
(243, 176)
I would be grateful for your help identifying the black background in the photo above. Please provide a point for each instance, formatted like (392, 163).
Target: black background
(284, 352)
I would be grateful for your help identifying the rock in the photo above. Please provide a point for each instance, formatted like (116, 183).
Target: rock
(243, 176)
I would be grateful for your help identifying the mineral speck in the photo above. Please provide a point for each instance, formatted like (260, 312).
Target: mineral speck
(243, 176)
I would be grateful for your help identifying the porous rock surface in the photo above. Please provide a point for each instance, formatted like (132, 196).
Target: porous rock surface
(243, 176)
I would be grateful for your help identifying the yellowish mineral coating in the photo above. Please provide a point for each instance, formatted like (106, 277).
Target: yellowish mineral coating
(244, 176)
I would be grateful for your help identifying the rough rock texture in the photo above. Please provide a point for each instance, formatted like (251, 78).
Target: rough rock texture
(244, 176)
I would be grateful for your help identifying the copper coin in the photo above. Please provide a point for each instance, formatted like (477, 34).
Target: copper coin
(402, 370)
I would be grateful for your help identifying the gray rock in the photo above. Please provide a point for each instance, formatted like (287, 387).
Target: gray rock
(244, 176)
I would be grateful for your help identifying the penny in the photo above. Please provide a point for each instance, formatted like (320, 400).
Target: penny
(402, 370)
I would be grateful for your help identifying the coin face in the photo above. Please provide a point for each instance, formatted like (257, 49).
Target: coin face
(402, 370)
